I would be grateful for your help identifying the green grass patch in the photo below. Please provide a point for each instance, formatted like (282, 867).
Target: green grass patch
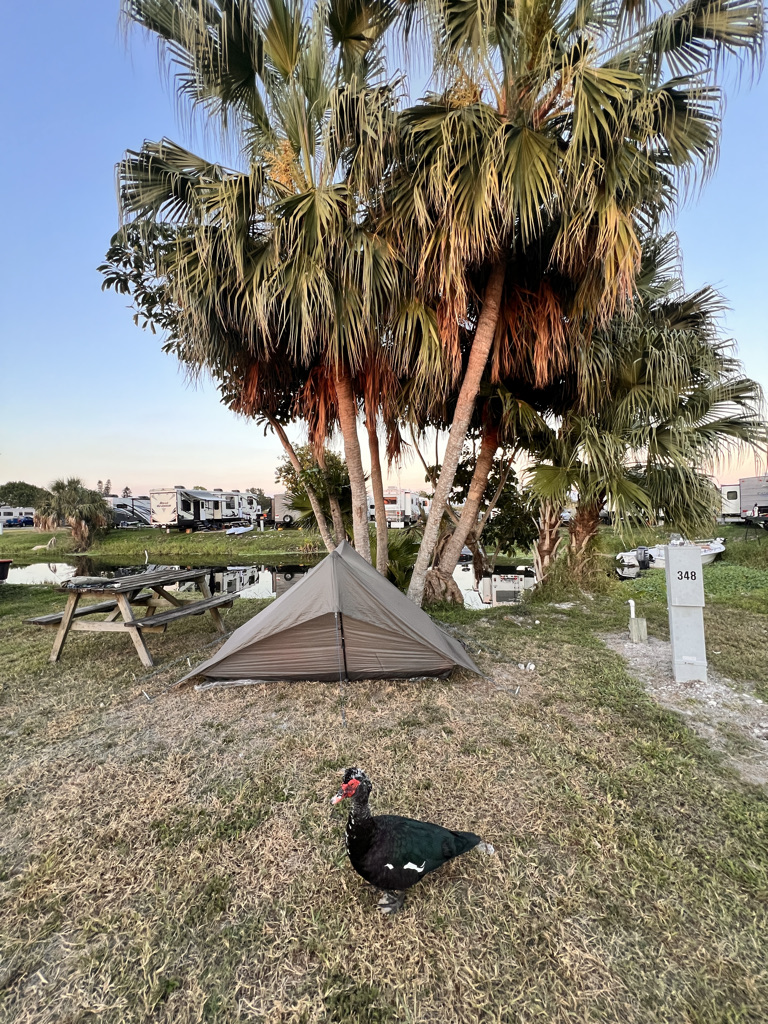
(129, 546)
(177, 859)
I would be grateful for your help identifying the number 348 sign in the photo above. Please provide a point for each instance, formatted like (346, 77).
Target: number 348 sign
(685, 585)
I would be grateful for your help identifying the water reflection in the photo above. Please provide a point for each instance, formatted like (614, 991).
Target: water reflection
(42, 572)
(256, 582)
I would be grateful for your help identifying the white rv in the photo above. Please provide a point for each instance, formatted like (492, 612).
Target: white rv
(129, 511)
(184, 508)
(402, 507)
(753, 496)
(282, 515)
(730, 502)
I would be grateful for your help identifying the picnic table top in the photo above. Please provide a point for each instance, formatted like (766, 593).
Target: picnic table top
(123, 584)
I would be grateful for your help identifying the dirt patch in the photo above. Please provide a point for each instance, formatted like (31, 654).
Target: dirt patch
(729, 717)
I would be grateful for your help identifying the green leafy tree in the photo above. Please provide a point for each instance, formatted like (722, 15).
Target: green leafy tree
(126, 493)
(19, 494)
(510, 526)
(329, 483)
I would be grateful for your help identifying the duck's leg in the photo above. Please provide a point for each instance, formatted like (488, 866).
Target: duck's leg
(391, 902)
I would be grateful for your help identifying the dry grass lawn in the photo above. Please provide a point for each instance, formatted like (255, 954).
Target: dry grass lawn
(177, 860)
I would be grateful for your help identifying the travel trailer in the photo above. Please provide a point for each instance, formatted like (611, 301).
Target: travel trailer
(730, 502)
(753, 496)
(402, 506)
(129, 511)
(15, 512)
(184, 508)
(281, 514)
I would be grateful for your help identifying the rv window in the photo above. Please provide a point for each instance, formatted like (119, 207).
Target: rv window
(186, 506)
(230, 502)
(215, 505)
(731, 495)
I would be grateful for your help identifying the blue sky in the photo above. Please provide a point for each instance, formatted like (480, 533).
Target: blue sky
(87, 393)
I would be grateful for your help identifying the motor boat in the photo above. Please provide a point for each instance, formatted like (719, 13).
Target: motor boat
(653, 557)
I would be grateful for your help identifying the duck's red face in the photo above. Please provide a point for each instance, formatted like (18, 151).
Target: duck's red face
(353, 780)
(347, 789)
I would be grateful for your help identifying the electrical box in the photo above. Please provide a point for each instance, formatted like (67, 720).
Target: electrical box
(685, 602)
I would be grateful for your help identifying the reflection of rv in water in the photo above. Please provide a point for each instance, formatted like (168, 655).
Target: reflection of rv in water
(252, 581)
(183, 508)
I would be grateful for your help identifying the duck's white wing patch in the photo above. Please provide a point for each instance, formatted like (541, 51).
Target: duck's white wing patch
(390, 866)
(410, 866)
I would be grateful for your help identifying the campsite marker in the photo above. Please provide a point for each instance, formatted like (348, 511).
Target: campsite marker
(685, 601)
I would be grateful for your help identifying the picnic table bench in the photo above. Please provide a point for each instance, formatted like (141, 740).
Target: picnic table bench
(145, 589)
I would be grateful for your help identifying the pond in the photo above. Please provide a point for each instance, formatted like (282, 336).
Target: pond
(249, 581)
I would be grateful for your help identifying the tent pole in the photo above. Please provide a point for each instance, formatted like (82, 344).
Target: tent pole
(343, 645)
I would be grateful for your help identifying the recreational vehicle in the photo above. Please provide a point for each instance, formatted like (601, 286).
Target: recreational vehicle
(183, 508)
(402, 507)
(753, 497)
(730, 502)
(15, 512)
(129, 511)
(282, 515)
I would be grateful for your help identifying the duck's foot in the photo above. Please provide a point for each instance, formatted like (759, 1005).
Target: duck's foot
(391, 902)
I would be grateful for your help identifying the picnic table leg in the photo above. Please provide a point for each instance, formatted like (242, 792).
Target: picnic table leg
(202, 582)
(66, 622)
(162, 592)
(138, 639)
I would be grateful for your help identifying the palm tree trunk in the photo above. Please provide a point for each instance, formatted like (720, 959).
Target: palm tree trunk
(339, 530)
(468, 523)
(478, 357)
(347, 407)
(549, 538)
(377, 486)
(582, 528)
(322, 523)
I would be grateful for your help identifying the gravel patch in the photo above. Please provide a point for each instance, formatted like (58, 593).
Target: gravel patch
(722, 711)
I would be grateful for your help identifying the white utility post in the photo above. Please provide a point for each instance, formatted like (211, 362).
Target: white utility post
(685, 601)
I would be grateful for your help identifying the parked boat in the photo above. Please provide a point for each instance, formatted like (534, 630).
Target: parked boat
(653, 557)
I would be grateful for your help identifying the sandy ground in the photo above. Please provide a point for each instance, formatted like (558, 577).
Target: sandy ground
(722, 711)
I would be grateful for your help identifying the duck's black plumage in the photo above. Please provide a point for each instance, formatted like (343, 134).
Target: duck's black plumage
(391, 852)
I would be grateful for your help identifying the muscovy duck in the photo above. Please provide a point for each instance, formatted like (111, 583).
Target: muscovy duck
(393, 853)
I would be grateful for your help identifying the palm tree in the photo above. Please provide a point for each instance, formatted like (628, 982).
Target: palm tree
(69, 501)
(674, 400)
(288, 241)
(522, 182)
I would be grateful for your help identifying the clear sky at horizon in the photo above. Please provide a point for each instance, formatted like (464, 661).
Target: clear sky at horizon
(86, 393)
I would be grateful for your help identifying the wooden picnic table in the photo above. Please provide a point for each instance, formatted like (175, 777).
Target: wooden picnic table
(125, 593)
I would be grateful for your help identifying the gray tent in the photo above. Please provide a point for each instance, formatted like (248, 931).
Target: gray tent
(342, 620)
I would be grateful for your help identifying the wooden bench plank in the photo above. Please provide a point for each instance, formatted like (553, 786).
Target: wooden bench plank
(87, 609)
(194, 608)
